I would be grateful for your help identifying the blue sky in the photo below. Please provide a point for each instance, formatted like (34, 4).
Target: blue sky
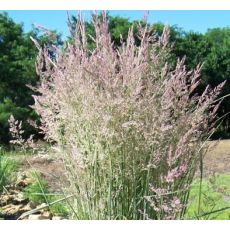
(198, 21)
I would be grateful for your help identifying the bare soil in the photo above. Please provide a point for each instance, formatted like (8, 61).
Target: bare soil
(52, 170)
(216, 161)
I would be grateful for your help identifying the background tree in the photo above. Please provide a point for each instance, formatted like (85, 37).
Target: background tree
(213, 50)
(18, 53)
(17, 70)
(217, 69)
(17, 57)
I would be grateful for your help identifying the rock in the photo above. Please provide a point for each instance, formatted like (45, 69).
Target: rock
(26, 208)
(6, 199)
(11, 209)
(29, 180)
(47, 214)
(20, 195)
(21, 183)
(18, 200)
(13, 204)
(32, 205)
(13, 198)
(38, 217)
(23, 180)
(12, 212)
(9, 188)
(22, 176)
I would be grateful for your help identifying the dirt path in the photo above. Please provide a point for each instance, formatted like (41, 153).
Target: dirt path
(52, 170)
(217, 159)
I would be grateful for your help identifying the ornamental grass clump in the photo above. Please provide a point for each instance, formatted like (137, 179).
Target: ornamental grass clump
(129, 128)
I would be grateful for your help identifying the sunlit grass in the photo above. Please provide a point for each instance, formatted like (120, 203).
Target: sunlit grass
(8, 168)
(215, 195)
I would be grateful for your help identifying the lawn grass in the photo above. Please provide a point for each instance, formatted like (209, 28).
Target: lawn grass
(215, 195)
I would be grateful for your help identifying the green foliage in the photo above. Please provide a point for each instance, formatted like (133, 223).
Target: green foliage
(215, 195)
(213, 50)
(39, 186)
(16, 62)
(217, 67)
(38, 192)
(8, 168)
(17, 57)
(7, 107)
(17, 71)
(118, 26)
(221, 183)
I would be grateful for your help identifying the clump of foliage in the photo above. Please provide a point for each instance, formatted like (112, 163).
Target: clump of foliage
(38, 192)
(129, 128)
(8, 168)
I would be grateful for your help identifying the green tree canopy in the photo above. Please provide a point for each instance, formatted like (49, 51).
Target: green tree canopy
(213, 50)
(18, 54)
(17, 71)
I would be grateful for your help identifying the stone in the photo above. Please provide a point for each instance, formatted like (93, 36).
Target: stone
(38, 217)
(47, 214)
(23, 180)
(11, 209)
(22, 176)
(26, 208)
(20, 195)
(32, 205)
(6, 199)
(12, 212)
(21, 183)
(17, 200)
